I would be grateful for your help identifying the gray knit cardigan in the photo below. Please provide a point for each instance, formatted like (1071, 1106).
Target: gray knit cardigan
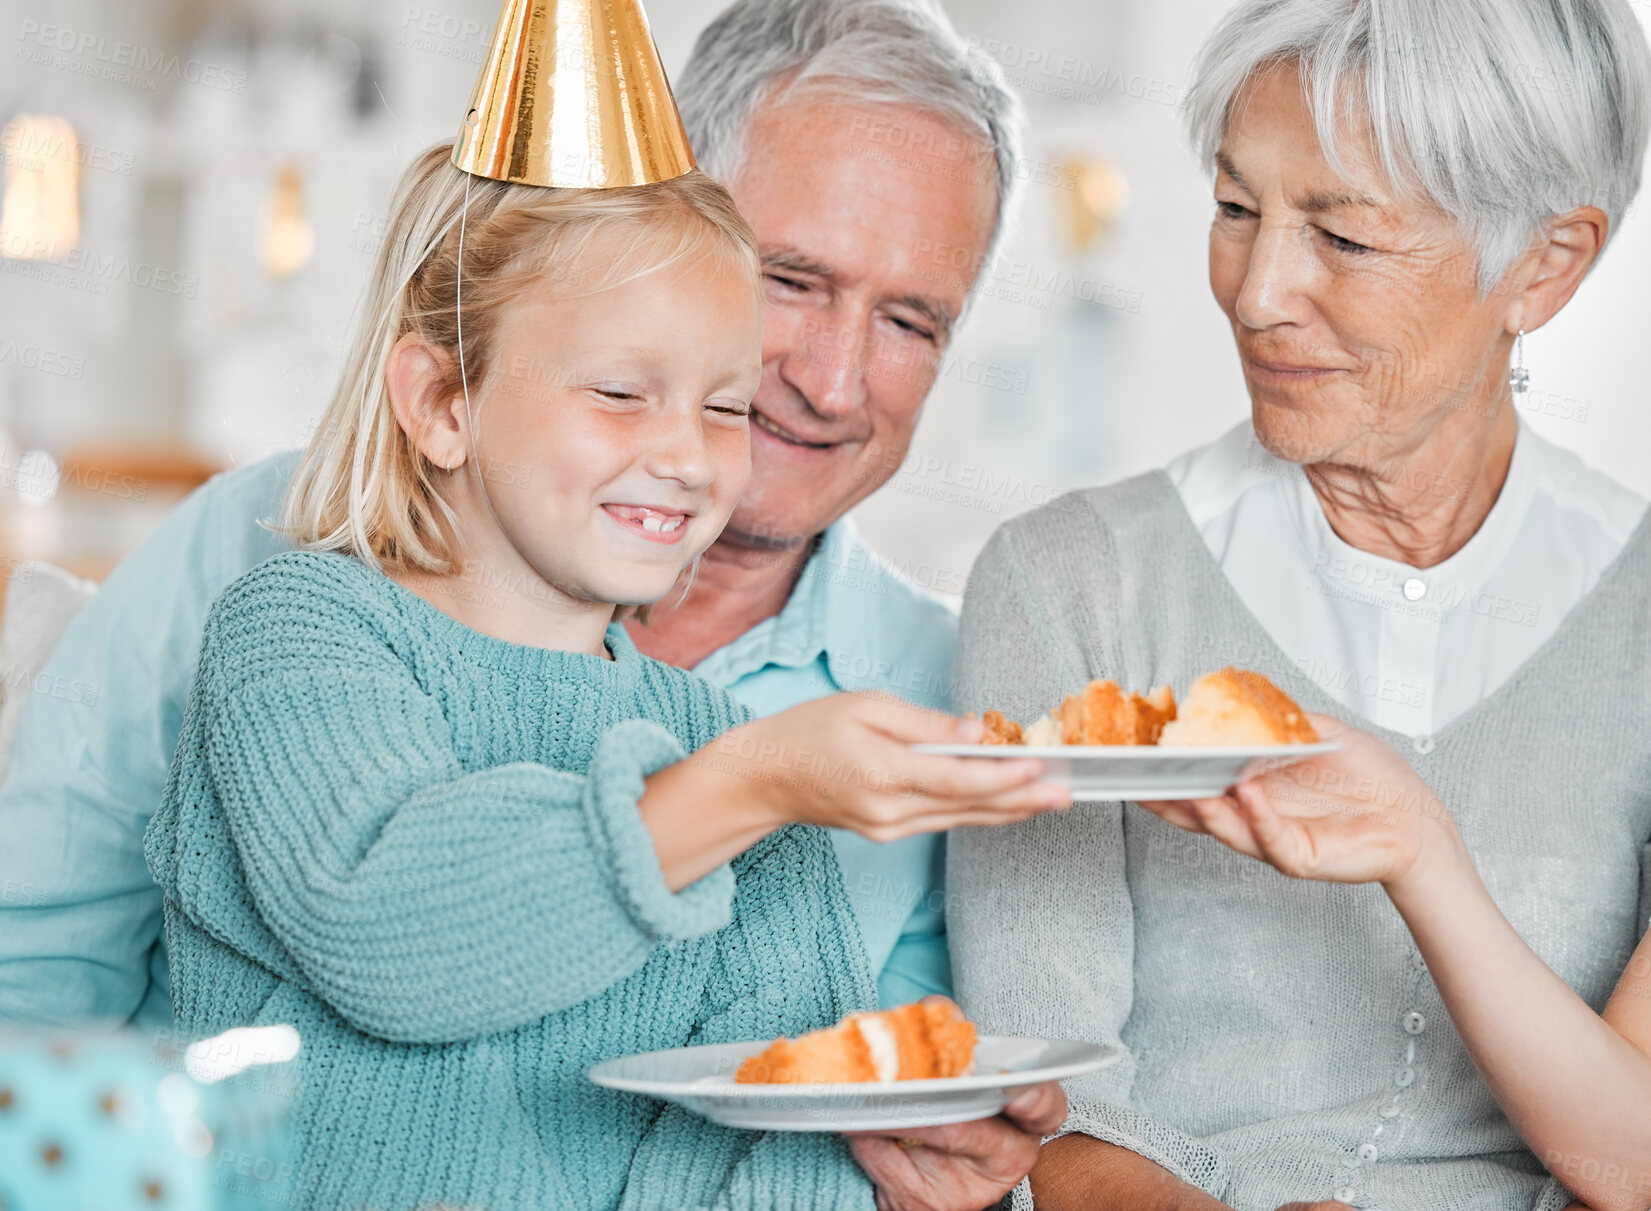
(1283, 1038)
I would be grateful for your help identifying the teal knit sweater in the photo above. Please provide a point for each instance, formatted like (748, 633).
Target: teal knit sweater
(420, 845)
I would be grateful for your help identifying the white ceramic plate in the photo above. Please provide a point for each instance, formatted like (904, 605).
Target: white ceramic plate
(1104, 772)
(702, 1079)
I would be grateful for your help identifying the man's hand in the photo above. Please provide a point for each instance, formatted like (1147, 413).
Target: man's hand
(962, 1167)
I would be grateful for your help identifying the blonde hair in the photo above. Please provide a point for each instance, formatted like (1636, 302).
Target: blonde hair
(362, 486)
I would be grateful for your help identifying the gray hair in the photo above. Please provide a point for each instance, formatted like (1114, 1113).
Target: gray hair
(887, 52)
(1503, 113)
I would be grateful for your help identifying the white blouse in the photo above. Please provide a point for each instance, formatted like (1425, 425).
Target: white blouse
(1408, 649)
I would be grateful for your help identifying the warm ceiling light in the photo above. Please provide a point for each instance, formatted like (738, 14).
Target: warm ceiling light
(287, 238)
(1092, 202)
(40, 217)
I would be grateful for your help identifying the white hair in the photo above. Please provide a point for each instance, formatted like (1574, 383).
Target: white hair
(873, 52)
(1502, 113)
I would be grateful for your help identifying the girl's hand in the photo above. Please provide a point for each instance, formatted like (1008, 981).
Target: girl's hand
(1361, 815)
(845, 761)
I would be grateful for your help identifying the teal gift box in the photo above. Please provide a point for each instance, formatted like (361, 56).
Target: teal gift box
(130, 1120)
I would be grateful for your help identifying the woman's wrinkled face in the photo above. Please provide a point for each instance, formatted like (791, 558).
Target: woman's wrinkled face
(612, 433)
(1355, 309)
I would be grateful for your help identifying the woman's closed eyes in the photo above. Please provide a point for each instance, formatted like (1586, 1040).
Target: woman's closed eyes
(1234, 212)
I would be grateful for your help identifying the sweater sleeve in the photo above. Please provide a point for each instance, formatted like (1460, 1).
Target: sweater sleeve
(1039, 914)
(428, 904)
(792, 961)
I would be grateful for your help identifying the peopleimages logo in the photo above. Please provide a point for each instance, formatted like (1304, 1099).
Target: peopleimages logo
(443, 34)
(124, 62)
(92, 271)
(1037, 69)
(54, 686)
(38, 357)
(29, 146)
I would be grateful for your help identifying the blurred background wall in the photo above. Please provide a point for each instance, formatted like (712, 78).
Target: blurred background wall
(234, 158)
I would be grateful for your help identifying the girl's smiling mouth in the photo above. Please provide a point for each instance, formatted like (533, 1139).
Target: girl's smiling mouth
(653, 524)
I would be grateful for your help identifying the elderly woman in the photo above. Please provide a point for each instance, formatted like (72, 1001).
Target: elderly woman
(1403, 190)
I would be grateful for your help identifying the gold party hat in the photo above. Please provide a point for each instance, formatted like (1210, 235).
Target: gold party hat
(573, 95)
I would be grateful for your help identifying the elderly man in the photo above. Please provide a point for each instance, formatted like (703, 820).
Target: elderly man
(790, 103)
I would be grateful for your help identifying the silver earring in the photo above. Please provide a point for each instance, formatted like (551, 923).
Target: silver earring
(1519, 378)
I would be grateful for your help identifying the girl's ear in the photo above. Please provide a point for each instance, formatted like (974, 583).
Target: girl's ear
(428, 414)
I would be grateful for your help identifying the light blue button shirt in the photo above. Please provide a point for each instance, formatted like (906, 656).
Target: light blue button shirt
(854, 623)
(80, 918)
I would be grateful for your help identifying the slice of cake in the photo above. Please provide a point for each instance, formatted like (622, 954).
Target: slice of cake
(1237, 707)
(1104, 714)
(913, 1042)
(1000, 730)
(1153, 713)
(1045, 732)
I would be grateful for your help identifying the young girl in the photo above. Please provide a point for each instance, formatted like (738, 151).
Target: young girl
(431, 806)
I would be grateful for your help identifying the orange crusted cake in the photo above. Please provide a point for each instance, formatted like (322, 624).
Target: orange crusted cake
(1000, 730)
(910, 1043)
(1238, 707)
(1230, 707)
(1104, 714)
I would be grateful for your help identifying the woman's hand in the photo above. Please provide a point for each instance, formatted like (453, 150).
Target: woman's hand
(1574, 1086)
(1361, 815)
(843, 761)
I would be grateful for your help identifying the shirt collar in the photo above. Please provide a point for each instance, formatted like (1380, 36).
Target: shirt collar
(823, 616)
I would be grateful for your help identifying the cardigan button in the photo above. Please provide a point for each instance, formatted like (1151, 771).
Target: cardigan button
(1368, 1153)
(1345, 1194)
(1423, 744)
(1414, 1023)
(1406, 1078)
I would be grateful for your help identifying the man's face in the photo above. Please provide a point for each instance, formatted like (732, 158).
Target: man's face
(873, 222)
